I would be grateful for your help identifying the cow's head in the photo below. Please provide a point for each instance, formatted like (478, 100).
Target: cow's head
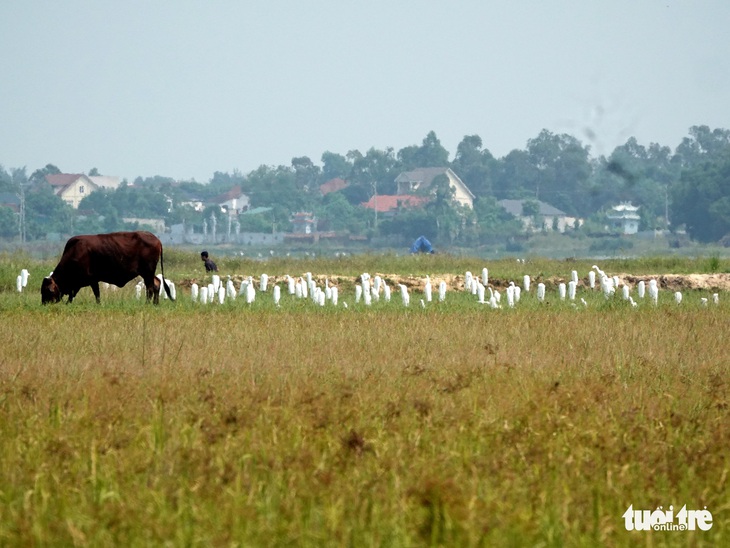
(50, 293)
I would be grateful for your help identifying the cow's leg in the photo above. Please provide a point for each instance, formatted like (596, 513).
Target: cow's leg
(153, 289)
(156, 290)
(95, 289)
(71, 295)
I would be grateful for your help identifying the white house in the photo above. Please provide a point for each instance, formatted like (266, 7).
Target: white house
(233, 202)
(624, 217)
(547, 216)
(71, 187)
(422, 179)
(74, 187)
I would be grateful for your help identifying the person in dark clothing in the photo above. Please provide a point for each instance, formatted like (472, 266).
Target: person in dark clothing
(210, 266)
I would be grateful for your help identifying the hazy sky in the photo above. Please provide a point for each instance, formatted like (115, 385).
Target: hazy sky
(183, 89)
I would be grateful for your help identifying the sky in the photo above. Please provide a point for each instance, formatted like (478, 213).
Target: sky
(183, 88)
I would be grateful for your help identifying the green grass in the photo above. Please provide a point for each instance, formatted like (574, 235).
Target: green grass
(454, 425)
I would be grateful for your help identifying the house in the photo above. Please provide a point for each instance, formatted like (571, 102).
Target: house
(624, 217)
(389, 205)
(333, 185)
(71, 187)
(303, 223)
(546, 218)
(74, 187)
(232, 202)
(422, 179)
(105, 181)
(8, 199)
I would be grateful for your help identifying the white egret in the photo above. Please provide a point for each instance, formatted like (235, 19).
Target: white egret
(480, 291)
(250, 294)
(358, 293)
(592, 279)
(386, 292)
(221, 294)
(305, 287)
(572, 285)
(526, 283)
(485, 277)
(442, 291)
(230, 289)
(511, 295)
(641, 289)
(427, 289)
(678, 297)
(561, 291)
(541, 292)
(193, 292)
(204, 294)
(404, 295)
(263, 282)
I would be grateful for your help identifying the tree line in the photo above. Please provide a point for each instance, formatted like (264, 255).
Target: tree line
(688, 187)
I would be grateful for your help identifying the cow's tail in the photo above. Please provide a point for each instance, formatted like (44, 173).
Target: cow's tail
(164, 281)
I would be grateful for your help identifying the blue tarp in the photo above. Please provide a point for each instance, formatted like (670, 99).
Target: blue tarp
(421, 245)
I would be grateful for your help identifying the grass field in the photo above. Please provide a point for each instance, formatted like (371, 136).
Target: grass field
(455, 425)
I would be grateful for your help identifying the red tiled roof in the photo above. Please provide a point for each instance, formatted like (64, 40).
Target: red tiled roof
(62, 179)
(383, 203)
(232, 194)
(333, 185)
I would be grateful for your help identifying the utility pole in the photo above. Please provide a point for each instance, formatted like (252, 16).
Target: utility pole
(375, 202)
(21, 196)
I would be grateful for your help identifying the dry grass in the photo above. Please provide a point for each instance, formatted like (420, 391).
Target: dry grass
(137, 426)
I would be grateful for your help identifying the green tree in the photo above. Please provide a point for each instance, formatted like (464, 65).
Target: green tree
(375, 172)
(701, 144)
(430, 154)
(39, 175)
(494, 223)
(561, 171)
(8, 222)
(701, 200)
(334, 165)
(336, 213)
(306, 174)
(46, 212)
(474, 166)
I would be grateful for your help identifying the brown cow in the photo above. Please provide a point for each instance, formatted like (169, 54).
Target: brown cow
(114, 258)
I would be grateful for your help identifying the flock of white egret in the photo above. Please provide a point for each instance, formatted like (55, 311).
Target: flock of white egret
(372, 289)
(369, 289)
